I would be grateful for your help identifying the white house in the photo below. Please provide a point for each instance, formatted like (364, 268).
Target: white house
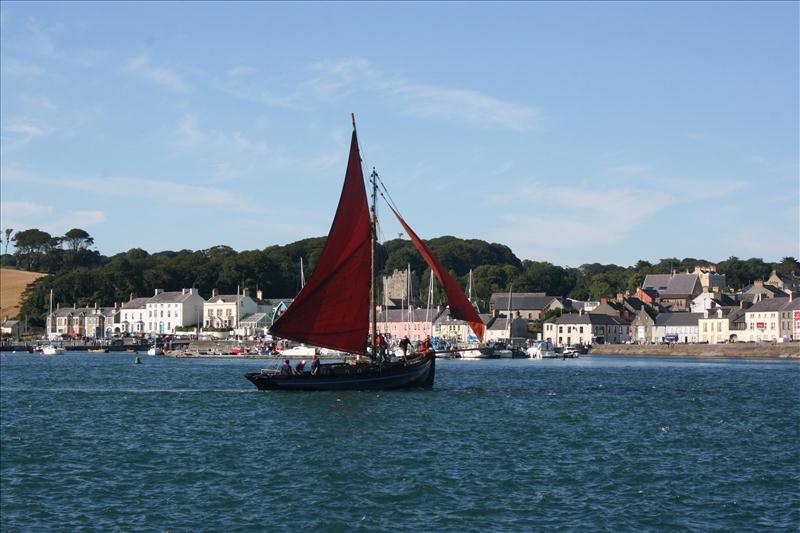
(769, 320)
(227, 310)
(132, 317)
(586, 329)
(454, 330)
(677, 327)
(169, 310)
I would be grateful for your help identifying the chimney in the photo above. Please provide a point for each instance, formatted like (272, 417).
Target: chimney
(214, 292)
(130, 298)
(603, 301)
(246, 292)
(259, 295)
(158, 291)
(183, 291)
(74, 305)
(116, 305)
(758, 283)
(95, 305)
(58, 306)
(620, 297)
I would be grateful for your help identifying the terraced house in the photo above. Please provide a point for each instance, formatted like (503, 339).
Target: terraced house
(770, 320)
(585, 328)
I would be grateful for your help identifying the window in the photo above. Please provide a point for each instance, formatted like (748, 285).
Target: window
(719, 326)
(705, 326)
(210, 312)
(581, 329)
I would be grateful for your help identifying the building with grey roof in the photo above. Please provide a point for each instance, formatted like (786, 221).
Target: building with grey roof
(586, 329)
(167, 311)
(675, 290)
(721, 325)
(528, 305)
(10, 329)
(76, 322)
(770, 320)
(785, 282)
(132, 315)
(676, 327)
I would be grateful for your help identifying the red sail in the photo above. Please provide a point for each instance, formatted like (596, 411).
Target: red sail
(460, 307)
(332, 310)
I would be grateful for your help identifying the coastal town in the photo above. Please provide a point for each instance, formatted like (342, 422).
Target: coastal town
(677, 308)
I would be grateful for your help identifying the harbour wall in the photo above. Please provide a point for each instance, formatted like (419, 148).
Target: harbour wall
(739, 350)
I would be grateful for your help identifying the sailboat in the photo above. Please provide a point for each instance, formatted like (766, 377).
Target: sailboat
(336, 309)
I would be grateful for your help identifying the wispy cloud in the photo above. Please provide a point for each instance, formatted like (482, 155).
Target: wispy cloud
(25, 214)
(153, 190)
(141, 67)
(19, 132)
(333, 80)
(189, 134)
(21, 69)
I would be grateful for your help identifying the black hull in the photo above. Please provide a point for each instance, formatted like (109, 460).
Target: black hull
(417, 374)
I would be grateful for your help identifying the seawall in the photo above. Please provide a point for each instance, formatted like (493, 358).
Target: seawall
(739, 350)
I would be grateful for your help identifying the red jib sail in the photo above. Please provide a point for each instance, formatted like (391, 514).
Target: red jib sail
(332, 310)
(460, 307)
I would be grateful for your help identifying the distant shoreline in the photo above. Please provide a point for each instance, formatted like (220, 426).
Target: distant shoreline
(741, 350)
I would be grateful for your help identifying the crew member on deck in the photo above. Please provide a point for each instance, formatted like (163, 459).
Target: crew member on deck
(424, 347)
(286, 369)
(314, 365)
(404, 345)
(298, 369)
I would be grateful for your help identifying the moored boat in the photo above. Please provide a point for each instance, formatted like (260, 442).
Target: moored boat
(155, 350)
(336, 308)
(52, 350)
(97, 350)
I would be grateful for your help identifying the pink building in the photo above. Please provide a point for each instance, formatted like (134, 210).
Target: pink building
(399, 323)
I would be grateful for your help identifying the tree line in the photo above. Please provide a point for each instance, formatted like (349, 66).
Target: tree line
(80, 275)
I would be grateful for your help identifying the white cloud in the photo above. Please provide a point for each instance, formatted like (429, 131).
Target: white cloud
(141, 67)
(23, 209)
(23, 214)
(80, 219)
(20, 69)
(189, 134)
(334, 80)
(341, 77)
(154, 190)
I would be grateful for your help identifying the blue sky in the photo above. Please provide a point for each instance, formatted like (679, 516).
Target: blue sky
(571, 132)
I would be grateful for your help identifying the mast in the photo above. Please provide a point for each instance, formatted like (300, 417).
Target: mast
(508, 318)
(50, 329)
(373, 240)
(302, 275)
(374, 227)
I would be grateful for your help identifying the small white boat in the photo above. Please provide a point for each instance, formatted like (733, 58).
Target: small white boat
(478, 352)
(298, 351)
(52, 350)
(503, 353)
(542, 350)
(155, 350)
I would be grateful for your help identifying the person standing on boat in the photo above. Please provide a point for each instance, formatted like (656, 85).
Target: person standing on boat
(404, 345)
(298, 369)
(315, 365)
(286, 369)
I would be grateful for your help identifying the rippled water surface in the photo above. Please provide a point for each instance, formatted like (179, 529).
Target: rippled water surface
(96, 443)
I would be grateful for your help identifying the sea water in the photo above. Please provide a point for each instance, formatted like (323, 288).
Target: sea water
(96, 443)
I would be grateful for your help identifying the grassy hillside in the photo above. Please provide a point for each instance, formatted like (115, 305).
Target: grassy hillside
(12, 284)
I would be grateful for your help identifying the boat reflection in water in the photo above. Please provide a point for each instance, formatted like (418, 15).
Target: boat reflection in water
(336, 308)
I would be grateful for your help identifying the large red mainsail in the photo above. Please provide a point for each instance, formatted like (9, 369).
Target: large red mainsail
(460, 307)
(332, 310)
